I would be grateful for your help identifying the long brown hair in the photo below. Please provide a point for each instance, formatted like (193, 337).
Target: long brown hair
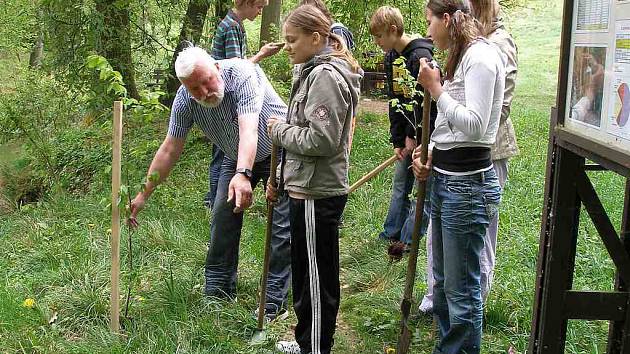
(463, 28)
(309, 19)
(487, 12)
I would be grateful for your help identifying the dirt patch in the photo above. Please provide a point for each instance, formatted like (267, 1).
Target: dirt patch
(373, 106)
(350, 337)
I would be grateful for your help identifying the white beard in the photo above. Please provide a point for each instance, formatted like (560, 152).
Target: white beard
(216, 99)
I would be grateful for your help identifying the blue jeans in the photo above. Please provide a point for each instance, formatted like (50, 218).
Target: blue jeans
(225, 234)
(461, 209)
(400, 218)
(214, 172)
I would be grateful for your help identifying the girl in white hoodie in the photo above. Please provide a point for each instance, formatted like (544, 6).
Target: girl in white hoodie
(466, 190)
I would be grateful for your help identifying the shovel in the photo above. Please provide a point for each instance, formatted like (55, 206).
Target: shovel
(405, 306)
(260, 336)
(373, 173)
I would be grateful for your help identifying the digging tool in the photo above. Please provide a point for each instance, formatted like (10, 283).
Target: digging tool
(405, 305)
(260, 336)
(373, 173)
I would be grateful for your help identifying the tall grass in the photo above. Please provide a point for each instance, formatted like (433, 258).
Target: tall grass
(57, 251)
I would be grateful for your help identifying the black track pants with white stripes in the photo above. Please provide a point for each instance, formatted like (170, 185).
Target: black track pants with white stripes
(315, 267)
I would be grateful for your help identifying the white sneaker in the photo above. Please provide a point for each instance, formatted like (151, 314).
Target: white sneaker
(426, 306)
(287, 347)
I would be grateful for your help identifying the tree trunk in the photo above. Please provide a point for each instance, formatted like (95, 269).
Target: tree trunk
(270, 23)
(192, 28)
(37, 52)
(35, 61)
(116, 40)
(221, 8)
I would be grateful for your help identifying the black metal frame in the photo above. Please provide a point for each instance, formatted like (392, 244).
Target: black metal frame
(567, 189)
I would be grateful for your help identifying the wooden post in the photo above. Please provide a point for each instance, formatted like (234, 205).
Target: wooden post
(115, 240)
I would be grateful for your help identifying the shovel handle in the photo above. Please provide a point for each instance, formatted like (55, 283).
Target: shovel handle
(390, 161)
(405, 335)
(263, 279)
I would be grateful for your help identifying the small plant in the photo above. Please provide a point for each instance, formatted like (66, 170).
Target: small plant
(409, 86)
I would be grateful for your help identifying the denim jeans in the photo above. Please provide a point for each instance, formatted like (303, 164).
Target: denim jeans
(407, 230)
(488, 255)
(400, 218)
(214, 172)
(225, 234)
(461, 209)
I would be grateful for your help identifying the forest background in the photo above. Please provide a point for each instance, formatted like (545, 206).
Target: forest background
(63, 63)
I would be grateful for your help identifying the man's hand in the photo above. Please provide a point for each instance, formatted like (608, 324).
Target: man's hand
(271, 193)
(270, 122)
(421, 171)
(410, 145)
(240, 190)
(267, 50)
(270, 49)
(137, 204)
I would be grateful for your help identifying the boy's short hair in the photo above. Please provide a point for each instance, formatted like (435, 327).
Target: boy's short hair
(239, 3)
(384, 18)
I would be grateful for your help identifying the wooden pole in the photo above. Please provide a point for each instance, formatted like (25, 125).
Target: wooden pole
(262, 301)
(115, 240)
(405, 305)
(373, 173)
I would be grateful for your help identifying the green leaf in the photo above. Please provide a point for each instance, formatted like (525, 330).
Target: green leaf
(154, 177)
(400, 60)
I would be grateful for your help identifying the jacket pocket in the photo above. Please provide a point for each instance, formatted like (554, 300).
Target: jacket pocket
(297, 110)
(299, 172)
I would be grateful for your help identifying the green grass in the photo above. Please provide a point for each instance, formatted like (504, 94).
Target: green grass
(57, 252)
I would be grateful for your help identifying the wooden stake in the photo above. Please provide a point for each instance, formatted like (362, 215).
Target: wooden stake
(115, 240)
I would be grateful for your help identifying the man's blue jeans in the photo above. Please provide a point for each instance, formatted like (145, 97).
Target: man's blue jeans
(461, 208)
(400, 218)
(225, 235)
(214, 172)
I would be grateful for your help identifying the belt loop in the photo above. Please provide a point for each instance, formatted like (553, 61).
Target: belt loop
(483, 177)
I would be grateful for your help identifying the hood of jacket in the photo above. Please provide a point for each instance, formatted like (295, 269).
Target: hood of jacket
(353, 78)
(417, 43)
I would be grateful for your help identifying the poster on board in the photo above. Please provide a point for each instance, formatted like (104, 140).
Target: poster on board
(620, 94)
(592, 15)
(598, 92)
(587, 89)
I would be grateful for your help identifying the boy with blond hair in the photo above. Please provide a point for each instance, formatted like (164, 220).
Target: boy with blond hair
(388, 30)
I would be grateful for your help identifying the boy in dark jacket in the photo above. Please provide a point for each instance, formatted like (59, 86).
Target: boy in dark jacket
(387, 27)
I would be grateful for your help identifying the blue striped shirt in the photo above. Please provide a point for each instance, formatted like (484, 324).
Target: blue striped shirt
(230, 38)
(247, 91)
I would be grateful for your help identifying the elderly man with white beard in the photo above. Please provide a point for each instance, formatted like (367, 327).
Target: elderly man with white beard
(230, 101)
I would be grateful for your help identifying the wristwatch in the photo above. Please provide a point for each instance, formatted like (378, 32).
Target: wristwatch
(245, 171)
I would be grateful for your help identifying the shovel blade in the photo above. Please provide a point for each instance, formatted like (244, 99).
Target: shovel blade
(259, 337)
